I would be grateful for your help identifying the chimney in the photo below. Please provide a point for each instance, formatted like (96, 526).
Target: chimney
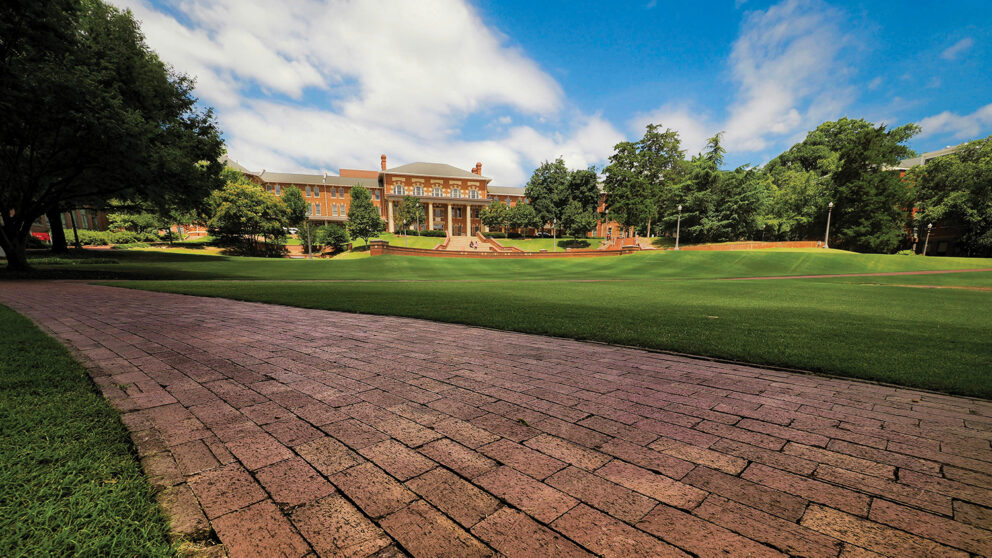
(324, 180)
(383, 161)
(478, 168)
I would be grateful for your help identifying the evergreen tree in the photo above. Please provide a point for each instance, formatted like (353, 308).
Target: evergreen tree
(495, 215)
(364, 220)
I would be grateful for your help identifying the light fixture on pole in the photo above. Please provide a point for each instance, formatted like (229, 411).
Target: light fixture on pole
(826, 237)
(306, 223)
(678, 227)
(927, 241)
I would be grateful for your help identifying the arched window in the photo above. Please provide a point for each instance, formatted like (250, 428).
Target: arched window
(456, 192)
(316, 190)
(437, 192)
(473, 193)
(398, 189)
(418, 190)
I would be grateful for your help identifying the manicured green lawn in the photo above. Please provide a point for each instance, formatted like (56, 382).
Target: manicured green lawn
(411, 241)
(930, 338)
(645, 266)
(70, 484)
(538, 244)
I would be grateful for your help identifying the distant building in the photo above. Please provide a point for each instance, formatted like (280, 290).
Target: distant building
(452, 197)
(946, 235)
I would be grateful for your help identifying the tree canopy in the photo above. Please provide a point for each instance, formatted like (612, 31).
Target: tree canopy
(90, 114)
(364, 220)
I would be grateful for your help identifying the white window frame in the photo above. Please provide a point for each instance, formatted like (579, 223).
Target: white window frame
(456, 192)
(418, 190)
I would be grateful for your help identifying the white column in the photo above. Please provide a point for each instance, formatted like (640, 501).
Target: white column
(430, 216)
(449, 219)
(389, 212)
(468, 220)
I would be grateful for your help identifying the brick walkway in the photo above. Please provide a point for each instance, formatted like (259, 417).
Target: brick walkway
(287, 431)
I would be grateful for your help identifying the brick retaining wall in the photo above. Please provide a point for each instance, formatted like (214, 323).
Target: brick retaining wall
(753, 245)
(380, 248)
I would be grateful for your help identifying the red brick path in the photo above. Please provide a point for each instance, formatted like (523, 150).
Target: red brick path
(287, 431)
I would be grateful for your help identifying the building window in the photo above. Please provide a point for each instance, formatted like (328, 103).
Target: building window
(318, 210)
(316, 190)
(473, 194)
(456, 192)
(458, 212)
(437, 192)
(308, 191)
(377, 195)
(278, 190)
(475, 212)
(398, 189)
(418, 190)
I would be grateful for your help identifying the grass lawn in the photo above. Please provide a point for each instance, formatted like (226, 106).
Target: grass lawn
(880, 328)
(538, 244)
(411, 241)
(70, 484)
(930, 338)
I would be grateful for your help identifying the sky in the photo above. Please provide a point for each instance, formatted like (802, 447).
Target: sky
(312, 86)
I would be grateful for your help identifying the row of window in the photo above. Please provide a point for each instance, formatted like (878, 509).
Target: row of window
(314, 191)
(456, 212)
(337, 210)
(436, 191)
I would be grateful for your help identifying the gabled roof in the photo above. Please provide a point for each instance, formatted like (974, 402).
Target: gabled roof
(316, 179)
(505, 190)
(922, 159)
(435, 169)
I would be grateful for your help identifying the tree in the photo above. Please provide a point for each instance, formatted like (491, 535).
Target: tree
(522, 216)
(244, 212)
(577, 221)
(495, 215)
(410, 211)
(870, 202)
(136, 218)
(364, 220)
(547, 191)
(332, 235)
(662, 162)
(90, 113)
(956, 189)
(629, 199)
(297, 216)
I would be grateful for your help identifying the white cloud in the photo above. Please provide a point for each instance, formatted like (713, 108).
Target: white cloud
(952, 52)
(317, 83)
(789, 75)
(968, 126)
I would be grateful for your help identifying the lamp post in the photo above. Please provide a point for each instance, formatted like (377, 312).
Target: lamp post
(927, 241)
(306, 223)
(678, 227)
(826, 237)
(916, 236)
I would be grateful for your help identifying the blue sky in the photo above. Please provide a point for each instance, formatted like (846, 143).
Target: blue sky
(321, 85)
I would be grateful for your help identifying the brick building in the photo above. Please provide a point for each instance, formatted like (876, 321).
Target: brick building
(452, 197)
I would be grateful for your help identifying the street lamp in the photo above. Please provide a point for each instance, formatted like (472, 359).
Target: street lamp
(306, 223)
(826, 237)
(678, 227)
(927, 241)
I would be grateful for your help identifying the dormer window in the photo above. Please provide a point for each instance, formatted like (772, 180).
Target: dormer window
(418, 190)
(398, 189)
(456, 192)
(437, 192)
(473, 193)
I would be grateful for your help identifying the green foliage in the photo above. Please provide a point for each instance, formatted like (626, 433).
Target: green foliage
(244, 212)
(364, 220)
(576, 221)
(410, 211)
(629, 196)
(434, 233)
(643, 177)
(332, 235)
(103, 238)
(296, 206)
(70, 484)
(94, 114)
(522, 216)
(495, 215)
(956, 190)
(547, 191)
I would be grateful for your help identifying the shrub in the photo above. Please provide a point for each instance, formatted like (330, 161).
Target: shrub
(434, 233)
(131, 245)
(35, 242)
(332, 235)
(514, 235)
(906, 253)
(496, 235)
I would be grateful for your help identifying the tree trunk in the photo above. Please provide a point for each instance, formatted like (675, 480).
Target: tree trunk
(59, 245)
(17, 259)
(75, 232)
(649, 227)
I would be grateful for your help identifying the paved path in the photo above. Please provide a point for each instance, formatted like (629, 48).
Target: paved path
(288, 431)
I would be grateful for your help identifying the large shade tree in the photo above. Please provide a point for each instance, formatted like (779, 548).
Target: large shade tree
(90, 113)
(364, 219)
(956, 189)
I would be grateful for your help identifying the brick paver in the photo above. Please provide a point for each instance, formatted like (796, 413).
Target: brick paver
(288, 432)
